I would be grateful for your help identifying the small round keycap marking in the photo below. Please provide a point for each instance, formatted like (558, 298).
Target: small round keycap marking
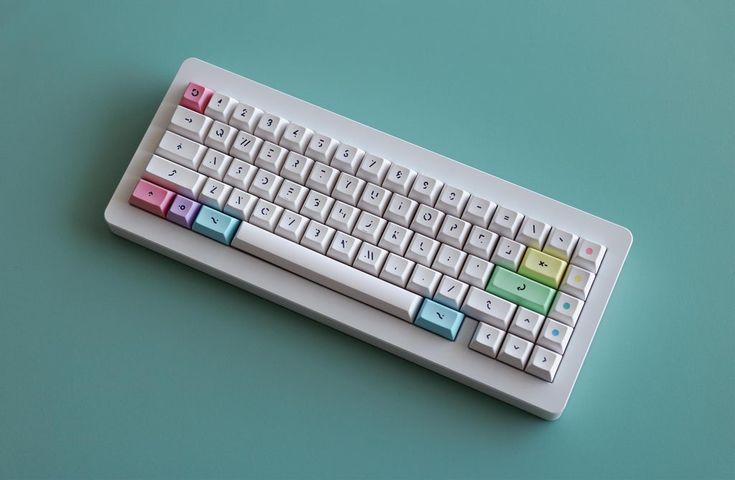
(567, 306)
(555, 332)
(578, 278)
(589, 251)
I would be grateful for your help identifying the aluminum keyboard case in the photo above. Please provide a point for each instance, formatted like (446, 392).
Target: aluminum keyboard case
(453, 359)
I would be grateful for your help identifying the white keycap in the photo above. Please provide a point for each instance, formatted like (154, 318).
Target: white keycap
(451, 292)
(374, 199)
(369, 227)
(330, 273)
(317, 236)
(543, 363)
(220, 107)
(373, 169)
(181, 150)
(344, 248)
(425, 189)
(322, 178)
(588, 255)
(214, 194)
(214, 164)
(454, 231)
(240, 174)
(508, 254)
(476, 271)
(555, 336)
(347, 158)
(560, 244)
(427, 221)
(240, 204)
(297, 168)
(399, 179)
(265, 215)
(422, 249)
(397, 270)
(348, 188)
(505, 222)
(481, 242)
(526, 324)
(291, 226)
(452, 200)
(265, 185)
(566, 309)
(449, 260)
(487, 339)
(533, 233)
(577, 282)
(245, 117)
(321, 148)
(296, 137)
(370, 259)
(400, 210)
(271, 157)
(221, 136)
(424, 281)
(291, 195)
(395, 238)
(190, 124)
(488, 308)
(174, 177)
(479, 211)
(515, 351)
(343, 217)
(246, 147)
(317, 206)
(270, 127)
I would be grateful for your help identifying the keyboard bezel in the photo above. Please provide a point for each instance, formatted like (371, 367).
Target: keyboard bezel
(453, 359)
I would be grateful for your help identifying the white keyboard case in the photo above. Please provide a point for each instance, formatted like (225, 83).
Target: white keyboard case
(453, 359)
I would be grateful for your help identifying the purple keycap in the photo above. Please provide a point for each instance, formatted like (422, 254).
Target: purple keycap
(183, 211)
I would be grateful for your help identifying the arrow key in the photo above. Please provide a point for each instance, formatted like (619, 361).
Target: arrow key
(487, 339)
(515, 351)
(543, 364)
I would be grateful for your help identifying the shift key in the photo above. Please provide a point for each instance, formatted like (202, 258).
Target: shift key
(521, 290)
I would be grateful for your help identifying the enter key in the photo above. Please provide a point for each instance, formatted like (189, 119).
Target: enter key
(521, 290)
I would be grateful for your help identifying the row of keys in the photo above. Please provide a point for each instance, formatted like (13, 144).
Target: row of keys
(394, 177)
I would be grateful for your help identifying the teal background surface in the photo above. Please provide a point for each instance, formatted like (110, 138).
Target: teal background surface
(116, 362)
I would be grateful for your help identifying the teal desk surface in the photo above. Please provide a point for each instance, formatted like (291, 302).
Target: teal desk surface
(116, 362)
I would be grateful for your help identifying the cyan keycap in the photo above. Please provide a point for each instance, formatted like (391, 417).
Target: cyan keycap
(215, 225)
(439, 319)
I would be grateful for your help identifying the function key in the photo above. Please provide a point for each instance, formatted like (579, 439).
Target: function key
(196, 97)
(588, 255)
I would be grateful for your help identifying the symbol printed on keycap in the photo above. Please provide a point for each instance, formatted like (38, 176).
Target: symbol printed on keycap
(578, 278)
(555, 332)
(521, 288)
(214, 220)
(220, 132)
(194, 92)
(588, 251)
(178, 147)
(566, 306)
(441, 317)
(150, 194)
(189, 120)
(542, 264)
(182, 207)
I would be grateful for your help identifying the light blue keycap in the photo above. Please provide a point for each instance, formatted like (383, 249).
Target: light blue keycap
(215, 225)
(439, 319)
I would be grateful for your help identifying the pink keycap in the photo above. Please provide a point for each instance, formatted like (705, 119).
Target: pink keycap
(196, 97)
(152, 198)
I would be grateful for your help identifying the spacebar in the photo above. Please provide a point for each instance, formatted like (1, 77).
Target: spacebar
(328, 272)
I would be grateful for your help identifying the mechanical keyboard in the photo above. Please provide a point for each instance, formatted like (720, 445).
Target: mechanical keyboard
(478, 279)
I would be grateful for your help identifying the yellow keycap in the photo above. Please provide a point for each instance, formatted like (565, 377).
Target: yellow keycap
(542, 267)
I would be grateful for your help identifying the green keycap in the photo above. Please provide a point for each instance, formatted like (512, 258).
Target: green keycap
(521, 290)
